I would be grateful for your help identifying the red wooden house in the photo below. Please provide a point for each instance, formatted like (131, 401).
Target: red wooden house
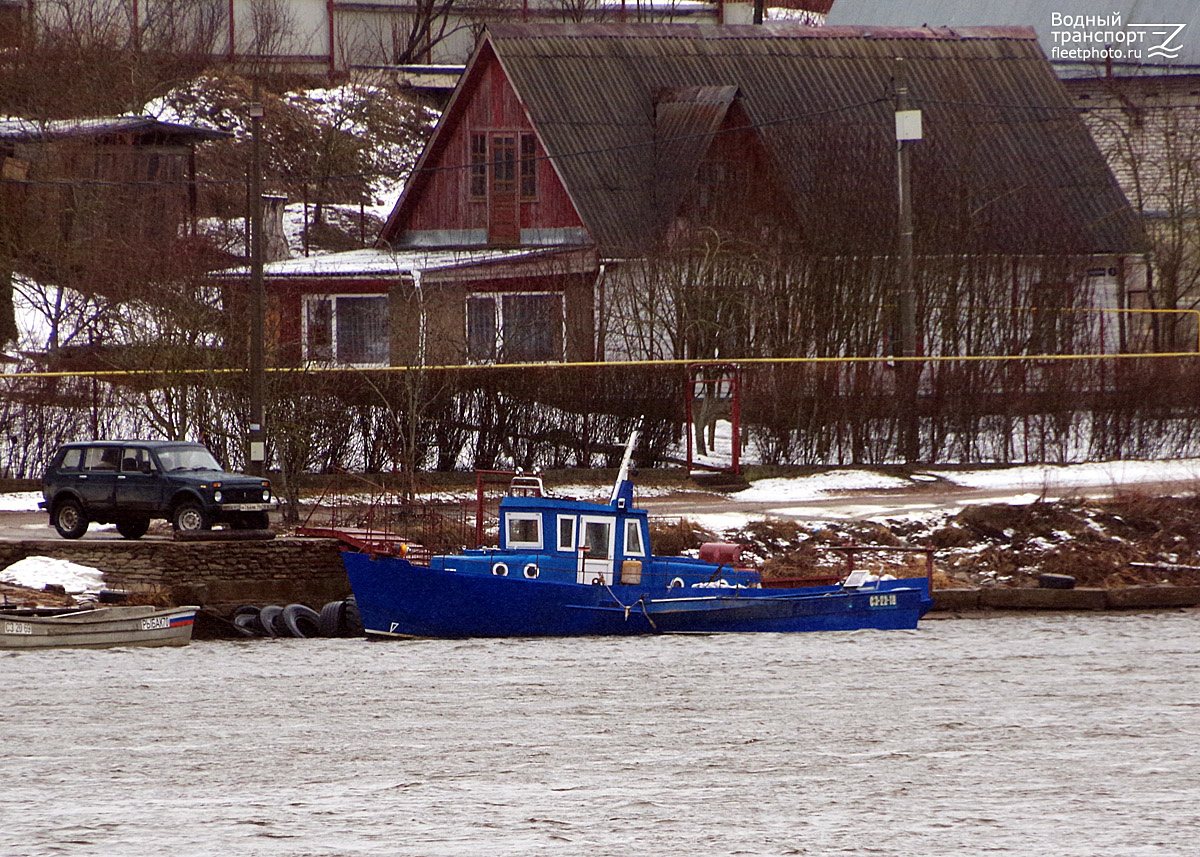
(607, 143)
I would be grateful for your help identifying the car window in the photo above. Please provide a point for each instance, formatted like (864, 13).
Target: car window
(71, 459)
(187, 458)
(134, 460)
(102, 458)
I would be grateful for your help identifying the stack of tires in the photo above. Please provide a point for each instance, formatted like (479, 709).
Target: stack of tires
(336, 619)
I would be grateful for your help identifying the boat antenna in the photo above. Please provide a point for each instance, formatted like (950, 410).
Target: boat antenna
(626, 466)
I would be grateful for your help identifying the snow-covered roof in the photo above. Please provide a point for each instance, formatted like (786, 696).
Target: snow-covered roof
(29, 130)
(372, 262)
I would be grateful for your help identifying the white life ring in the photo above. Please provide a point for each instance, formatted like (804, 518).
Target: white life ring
(531, 571)
(500, 569)
(676, 583)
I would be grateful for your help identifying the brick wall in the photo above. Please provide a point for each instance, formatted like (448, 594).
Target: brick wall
(217, 575)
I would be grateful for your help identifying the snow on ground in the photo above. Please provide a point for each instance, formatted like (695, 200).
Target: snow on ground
(20, 501)
(819, 485)
(1096, 474)
(37, 572)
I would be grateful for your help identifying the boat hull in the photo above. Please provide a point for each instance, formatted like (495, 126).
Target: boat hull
(399, 599)
(102, 627)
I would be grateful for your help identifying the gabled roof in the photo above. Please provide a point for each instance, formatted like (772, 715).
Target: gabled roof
(1005, 166)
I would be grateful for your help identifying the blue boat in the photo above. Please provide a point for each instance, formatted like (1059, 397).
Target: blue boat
(574, 568)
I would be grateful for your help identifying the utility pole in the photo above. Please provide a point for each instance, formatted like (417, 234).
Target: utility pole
(258, 385)
(908, 130)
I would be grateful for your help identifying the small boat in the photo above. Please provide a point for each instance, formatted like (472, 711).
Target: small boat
(96, 627)
(572, 568)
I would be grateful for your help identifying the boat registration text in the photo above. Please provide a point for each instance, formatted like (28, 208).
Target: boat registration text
(883, 600)
(18, 628)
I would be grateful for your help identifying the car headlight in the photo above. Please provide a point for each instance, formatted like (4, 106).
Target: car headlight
(266, 494)
(217, 496)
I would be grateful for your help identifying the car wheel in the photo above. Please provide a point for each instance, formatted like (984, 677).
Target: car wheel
(189, 518)
(69, 519)
(134, 528)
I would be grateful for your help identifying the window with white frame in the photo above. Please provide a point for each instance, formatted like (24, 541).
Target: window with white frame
(515, 327)
(347, 329)
(566, 532)
(633, 539)
(524, 530)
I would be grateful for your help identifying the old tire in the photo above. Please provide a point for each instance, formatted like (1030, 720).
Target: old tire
(270, 618)
(331, 617)
(247, 625)
(134, 528)
(69, 519)
(301, 621)
(189, 517)
(352, 625)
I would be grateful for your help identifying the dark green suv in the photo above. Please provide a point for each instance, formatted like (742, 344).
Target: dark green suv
(130, 482)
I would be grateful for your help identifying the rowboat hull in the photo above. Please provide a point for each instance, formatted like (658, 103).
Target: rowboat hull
(101, 627)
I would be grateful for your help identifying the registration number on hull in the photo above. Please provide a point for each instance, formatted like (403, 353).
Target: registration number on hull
(883, 600)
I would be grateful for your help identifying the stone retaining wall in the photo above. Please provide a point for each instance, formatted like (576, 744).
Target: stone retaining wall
(1130, 598)
(215, 574)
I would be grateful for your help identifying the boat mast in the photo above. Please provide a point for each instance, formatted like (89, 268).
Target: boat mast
(623, 474)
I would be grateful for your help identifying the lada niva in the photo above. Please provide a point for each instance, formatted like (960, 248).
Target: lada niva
(131, 482)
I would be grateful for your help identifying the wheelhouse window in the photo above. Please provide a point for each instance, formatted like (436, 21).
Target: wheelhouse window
(633, 539)
(566, 532)
(346, 329)
(524, 530)
(515, 327)
(597, 538)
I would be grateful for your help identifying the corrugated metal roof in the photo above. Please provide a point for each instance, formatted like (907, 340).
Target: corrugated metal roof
(1006, 164)
(1039, 14)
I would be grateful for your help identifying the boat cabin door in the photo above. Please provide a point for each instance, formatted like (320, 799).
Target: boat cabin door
(596, 549)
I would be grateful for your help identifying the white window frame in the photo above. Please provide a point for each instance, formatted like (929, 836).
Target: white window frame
(510, 543)
(634, 526)
(498, 303)
(569, 544)
(308, 300)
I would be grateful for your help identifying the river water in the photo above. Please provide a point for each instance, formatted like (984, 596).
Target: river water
(1033, 735)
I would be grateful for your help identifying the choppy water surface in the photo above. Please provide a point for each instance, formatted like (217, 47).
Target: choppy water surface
(1053, 735)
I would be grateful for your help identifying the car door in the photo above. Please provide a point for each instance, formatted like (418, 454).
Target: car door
(139, 485)
(97, 481)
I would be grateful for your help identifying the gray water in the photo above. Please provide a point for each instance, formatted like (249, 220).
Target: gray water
(1041, 735)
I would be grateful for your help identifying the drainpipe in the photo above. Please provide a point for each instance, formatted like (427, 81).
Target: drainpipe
(329, 15)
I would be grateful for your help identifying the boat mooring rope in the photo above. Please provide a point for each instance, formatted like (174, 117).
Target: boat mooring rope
(628, 607)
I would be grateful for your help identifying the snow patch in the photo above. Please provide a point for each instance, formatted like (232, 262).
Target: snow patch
(36, 572)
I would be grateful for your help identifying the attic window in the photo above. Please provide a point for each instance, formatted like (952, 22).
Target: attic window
(528, 166)
(479, 158)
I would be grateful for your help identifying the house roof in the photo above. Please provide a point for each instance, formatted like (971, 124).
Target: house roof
(146, 127)
(372, 263)
(1053, 31)
(1005, 165)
